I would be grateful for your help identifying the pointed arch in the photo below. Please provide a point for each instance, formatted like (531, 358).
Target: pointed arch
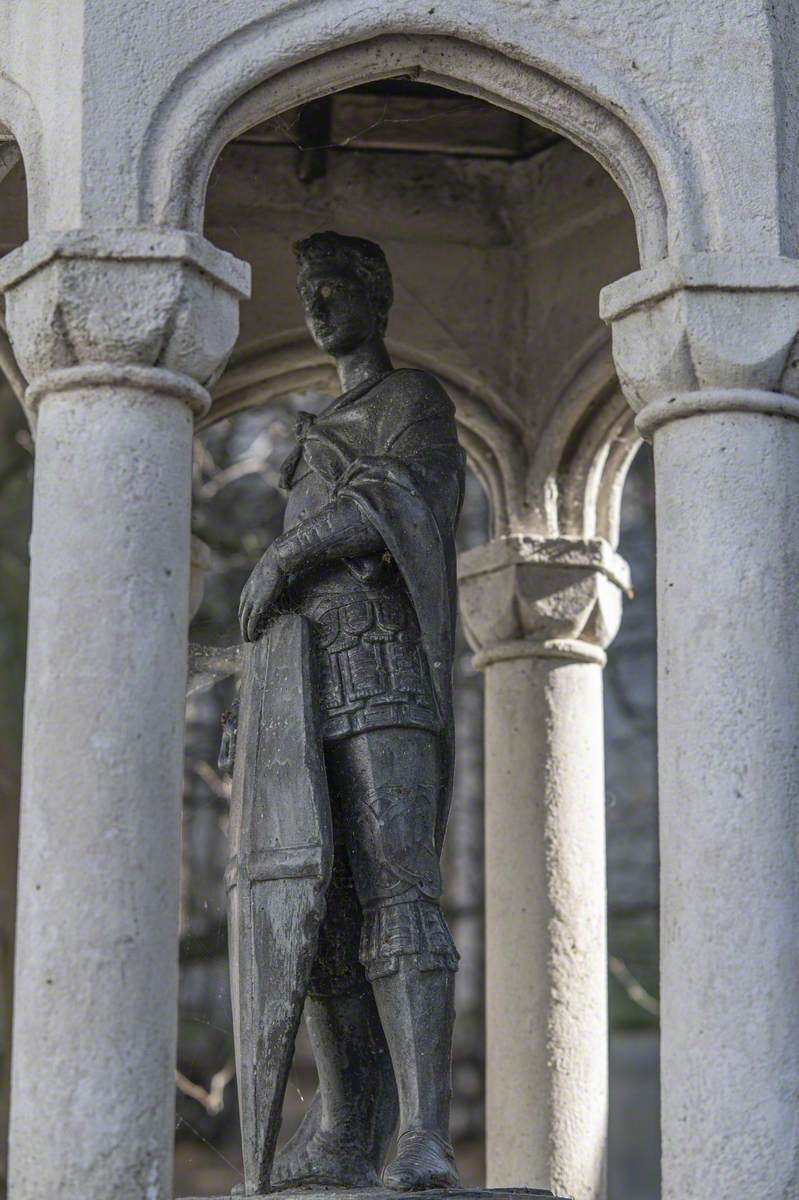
(577, 472)
(20, 121)
(308, 50)
(291, 363)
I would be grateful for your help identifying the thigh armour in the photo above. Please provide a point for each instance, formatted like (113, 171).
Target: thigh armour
(383, 902)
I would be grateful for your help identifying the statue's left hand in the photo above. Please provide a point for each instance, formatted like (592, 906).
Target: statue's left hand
(259, 594)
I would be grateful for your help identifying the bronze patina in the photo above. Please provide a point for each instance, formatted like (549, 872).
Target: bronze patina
(342, 781)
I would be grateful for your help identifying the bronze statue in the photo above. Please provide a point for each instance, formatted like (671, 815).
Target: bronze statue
(351, 612)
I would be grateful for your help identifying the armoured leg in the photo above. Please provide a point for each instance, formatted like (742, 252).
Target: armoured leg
(417, 1011)
(344, 1136)
(390, 780)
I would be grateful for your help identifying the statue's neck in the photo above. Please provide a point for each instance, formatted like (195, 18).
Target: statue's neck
(367, 362)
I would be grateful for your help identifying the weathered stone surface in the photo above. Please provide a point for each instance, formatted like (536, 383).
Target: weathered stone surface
(117, 335)
(556, 597)
(539, 611)
(728, 664)
(122, 301)
(706, 333)
(705, 347)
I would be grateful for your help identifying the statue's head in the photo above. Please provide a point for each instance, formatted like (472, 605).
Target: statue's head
(345, 287)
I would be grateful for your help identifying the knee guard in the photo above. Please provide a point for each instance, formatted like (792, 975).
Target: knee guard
(411, 925)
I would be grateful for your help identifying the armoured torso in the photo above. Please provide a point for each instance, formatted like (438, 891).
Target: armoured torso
(372, 670)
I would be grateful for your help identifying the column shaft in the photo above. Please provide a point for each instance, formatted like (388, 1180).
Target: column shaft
(728, 648)
(546, 1003)
(96, 972)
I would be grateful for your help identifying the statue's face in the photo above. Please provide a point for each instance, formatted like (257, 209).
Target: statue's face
(338, 312)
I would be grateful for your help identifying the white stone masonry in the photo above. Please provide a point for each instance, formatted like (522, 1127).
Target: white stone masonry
(539, 612)
(706, 348)
(118, 336)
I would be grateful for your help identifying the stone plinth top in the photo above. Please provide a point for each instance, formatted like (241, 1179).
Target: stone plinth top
(386, 1194)
(127, 245)
(701, 271)
(583, 554)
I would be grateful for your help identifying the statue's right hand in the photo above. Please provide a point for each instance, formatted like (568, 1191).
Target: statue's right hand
(259, 594)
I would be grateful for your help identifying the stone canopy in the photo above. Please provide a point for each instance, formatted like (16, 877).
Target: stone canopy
(605, 250)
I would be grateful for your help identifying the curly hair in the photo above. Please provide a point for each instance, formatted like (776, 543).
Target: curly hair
(349, 255)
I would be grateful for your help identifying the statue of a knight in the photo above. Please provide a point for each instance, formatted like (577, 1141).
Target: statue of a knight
(375, 488)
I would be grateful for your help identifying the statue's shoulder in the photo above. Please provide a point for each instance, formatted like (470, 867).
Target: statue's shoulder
(417, 391)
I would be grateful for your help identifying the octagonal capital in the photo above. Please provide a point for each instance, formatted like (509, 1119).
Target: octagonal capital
(556, 597)
(110, 305)
(706, 333)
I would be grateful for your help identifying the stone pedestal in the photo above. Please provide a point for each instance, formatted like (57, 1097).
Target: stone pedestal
(433, 1194)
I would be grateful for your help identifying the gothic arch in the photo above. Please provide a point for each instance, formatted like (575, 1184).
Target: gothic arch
(577, 472)
(19, 123)
(572, 484)
(573, 480)
(20, 120)
(311, 49)
(291, 363)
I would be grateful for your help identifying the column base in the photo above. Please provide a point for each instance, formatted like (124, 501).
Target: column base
(458, 1193)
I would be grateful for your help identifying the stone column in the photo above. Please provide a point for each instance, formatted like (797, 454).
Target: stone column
(539, 612)
(118, 334)
(706, 352)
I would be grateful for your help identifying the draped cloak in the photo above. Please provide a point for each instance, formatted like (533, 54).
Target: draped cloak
(392, 449)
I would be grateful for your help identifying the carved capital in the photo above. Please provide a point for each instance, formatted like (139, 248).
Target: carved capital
(706, 333)
(147, 308)
(543, 597)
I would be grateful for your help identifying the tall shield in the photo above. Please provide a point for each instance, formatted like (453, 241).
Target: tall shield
(277, 877)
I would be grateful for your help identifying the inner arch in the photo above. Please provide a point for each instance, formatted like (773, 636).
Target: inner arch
(182, 146)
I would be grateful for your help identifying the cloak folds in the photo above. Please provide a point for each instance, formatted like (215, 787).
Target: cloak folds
(393, 451)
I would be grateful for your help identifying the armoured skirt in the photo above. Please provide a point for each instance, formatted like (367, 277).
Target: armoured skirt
(372, 679)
